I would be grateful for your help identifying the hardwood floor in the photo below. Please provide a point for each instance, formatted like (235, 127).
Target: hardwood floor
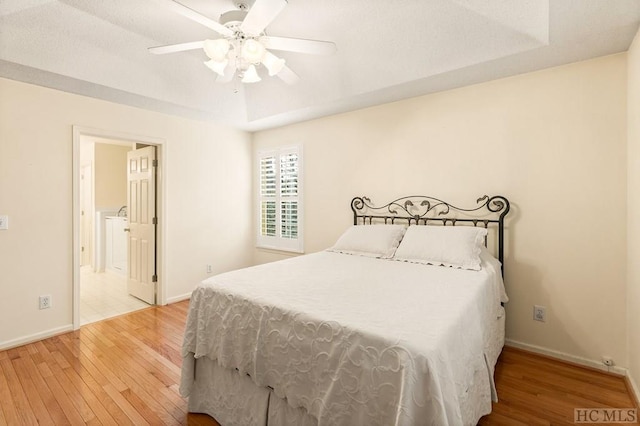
(126, 370)
(537, 390)
(120, 371)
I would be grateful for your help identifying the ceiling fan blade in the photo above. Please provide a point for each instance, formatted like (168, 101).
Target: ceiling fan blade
(260, 15)
(313, 47)
(161, 50)
(229, 72)
(288, 76)
(197, 17)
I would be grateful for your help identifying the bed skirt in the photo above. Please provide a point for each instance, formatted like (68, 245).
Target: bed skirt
(234, 399)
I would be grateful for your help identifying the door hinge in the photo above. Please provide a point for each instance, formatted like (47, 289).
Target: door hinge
(155, 163)
(155, 221)
(154, 278)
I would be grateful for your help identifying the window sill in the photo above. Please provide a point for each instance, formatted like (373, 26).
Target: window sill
(279, 250)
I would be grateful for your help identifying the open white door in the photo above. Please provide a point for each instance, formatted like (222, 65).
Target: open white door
(141, 196)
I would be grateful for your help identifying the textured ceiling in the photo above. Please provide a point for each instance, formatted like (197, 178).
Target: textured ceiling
(387, 50)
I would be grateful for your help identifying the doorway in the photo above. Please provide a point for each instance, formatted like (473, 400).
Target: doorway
(106, 271)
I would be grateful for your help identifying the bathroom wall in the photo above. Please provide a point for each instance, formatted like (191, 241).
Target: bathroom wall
(110, 176)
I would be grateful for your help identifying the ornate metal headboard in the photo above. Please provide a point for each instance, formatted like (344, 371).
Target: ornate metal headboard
(423, 210)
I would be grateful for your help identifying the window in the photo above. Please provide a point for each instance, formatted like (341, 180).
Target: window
(280, 199)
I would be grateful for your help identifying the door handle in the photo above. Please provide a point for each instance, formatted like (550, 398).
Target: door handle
(127, 229)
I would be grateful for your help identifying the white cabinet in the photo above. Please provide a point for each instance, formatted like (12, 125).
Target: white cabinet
(116, 244)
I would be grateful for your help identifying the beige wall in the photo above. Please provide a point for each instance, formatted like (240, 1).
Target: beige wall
(553, 142)
(110, 176)
(206, 174)
(633, 213)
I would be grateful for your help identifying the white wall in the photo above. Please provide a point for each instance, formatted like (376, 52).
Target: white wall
(553, 142)
(633, 213)
(208, 192)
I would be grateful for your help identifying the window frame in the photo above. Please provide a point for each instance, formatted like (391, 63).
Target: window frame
(277, 242)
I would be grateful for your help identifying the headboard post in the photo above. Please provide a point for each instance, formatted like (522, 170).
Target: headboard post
(498, 204)
(420, 209)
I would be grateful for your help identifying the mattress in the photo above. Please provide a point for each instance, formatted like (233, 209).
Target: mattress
(350, 340)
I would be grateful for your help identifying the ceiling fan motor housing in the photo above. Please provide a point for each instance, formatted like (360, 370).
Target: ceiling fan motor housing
(233, 18)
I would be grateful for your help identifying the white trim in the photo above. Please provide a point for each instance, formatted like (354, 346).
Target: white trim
(634, 386)
(24, 340)
(567, 357)
(76, 227)
(275, 248)
(179, 298)
(78, 132)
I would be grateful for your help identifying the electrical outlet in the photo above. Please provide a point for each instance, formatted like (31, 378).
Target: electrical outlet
(4, 221)
(209, 269)
(45, 302)
(539, 313)
(608, 361)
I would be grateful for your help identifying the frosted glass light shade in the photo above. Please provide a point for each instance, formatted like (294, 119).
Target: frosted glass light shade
(251, 75)
(252, 51)
(273, 64)
(217, 49)
(217, 67)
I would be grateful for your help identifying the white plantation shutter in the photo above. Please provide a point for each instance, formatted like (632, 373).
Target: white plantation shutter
(289, 195)
(280, 195)
(268, 194)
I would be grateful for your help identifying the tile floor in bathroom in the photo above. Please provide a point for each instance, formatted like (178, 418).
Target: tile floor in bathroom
(104, 295)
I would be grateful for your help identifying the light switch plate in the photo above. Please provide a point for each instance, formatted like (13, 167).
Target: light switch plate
(4, 221)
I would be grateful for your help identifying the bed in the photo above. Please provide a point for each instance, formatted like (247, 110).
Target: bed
(342, 337)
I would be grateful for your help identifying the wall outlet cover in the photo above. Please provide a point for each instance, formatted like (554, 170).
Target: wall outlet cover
(45, 302)
(539, 313)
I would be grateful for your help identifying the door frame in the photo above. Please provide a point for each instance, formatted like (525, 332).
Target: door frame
(86, 234)
(161, 190)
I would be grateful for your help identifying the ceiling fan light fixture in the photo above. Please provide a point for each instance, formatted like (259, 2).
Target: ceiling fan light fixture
(216, 66)
(273, 64)
(217, 49)
(252, 51)
(251, 75)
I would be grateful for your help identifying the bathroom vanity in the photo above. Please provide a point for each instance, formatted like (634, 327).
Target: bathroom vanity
(116, 244)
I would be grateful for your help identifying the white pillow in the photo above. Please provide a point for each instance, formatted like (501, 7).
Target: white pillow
(370, 240)
(455, 246)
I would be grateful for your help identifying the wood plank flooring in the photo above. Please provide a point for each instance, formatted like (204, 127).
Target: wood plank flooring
(537, 390)
(126, 370)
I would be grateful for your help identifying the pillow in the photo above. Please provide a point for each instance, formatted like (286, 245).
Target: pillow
(455, 246)
(370, 240)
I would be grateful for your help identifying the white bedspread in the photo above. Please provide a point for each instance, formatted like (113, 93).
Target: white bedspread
(353, 340)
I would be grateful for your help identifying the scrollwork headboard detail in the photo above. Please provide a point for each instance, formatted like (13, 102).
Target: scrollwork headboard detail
(423, 210)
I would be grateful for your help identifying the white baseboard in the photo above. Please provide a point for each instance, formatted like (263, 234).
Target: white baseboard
(35, 337)
(179, 298)
(567, 357)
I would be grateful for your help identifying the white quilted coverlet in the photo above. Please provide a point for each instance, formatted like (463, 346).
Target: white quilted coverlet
(354, 340)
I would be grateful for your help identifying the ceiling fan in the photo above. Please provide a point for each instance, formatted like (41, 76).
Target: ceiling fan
(243, 47)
